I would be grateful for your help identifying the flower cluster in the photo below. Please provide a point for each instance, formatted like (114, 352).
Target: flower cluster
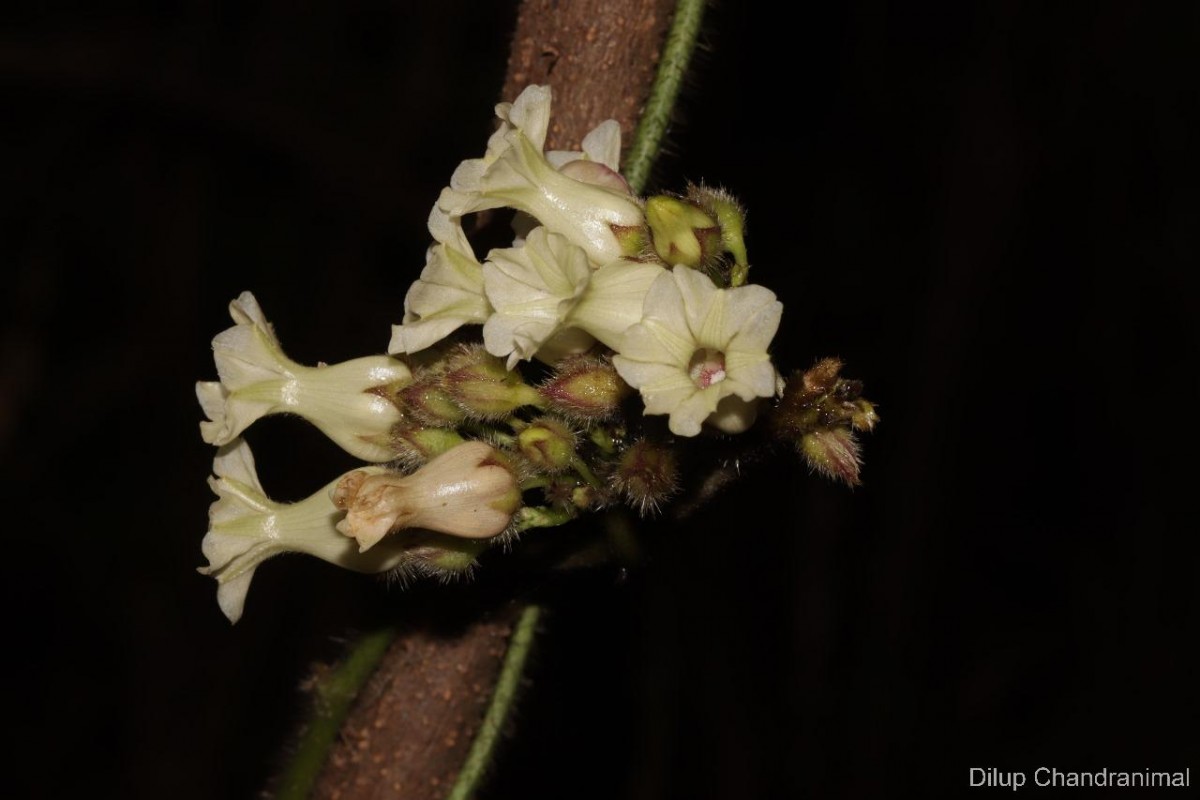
(611, 294)
(585, 272)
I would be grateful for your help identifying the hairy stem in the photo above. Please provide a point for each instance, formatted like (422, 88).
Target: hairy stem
(681, 42)
(599, 56)
(332, 697)
(502, 700)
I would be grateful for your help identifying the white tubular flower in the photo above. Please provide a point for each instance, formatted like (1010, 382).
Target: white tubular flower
(532, 289)
(465, 492)
(245, 528)
(346, 401)
(449, 293)
(696, 345)
(515, 173)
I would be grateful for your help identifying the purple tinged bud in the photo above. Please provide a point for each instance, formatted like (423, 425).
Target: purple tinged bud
(585, 388)
(427, 402)
(483, 388)
(646, 476)
(833, 453)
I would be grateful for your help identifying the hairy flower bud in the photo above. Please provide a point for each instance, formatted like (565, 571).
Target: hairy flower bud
(731, 221)
(426, 401)
(481, 386)
(585, 388)
(834, 453)
(682, 233)
(646, 475)
(436, 555)
(548, 444)
(819, 413)
(415, 445)
(465, 492)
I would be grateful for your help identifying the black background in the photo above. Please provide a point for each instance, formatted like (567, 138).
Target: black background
(987, 209)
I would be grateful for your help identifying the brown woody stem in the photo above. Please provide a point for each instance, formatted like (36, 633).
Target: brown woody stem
(420, 715)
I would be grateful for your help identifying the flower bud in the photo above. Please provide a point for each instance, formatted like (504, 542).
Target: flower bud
(436, 555)
(731, 220)
(834, 453)
(682, 233)
(415, 445)
(864, 417)
(819, 413)
(646, 476)
(481, 386)
(426, 401)
(585, 388)
(548, 445)
(463, 492)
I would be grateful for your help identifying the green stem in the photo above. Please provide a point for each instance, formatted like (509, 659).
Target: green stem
(584, 471)
(502, 699)
(332, 699)
(677, 53)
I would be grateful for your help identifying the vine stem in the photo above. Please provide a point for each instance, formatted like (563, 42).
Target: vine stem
(677, 54)
(505, 693)
(333, 695)
(337, 691)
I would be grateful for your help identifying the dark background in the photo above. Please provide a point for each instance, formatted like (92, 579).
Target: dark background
(987, 209)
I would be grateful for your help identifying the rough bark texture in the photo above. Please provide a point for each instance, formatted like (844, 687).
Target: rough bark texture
(411, 728)
(599, 56)
(414, 721)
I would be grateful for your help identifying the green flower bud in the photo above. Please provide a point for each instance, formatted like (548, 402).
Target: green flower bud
(548, 445)
(633, 241)
(426, 402)
(446, 558)
(415, 445)
(682, 233)
(731, 220)
(585, 388)
(864, 417)
(481, 386)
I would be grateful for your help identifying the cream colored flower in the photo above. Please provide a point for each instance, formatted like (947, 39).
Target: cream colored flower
(613, 300)
(515, 173)
(548, 302)
(347, 401)
(464, 492)
(449, 293)
(245, 528)
(532, 289)
(698, 344)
